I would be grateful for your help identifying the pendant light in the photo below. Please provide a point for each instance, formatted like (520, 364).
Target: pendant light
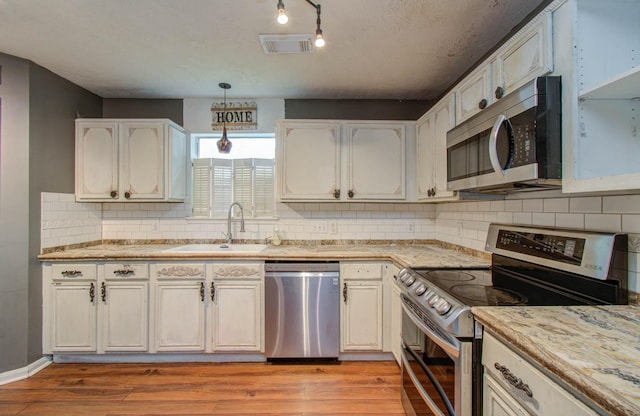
(224, 144)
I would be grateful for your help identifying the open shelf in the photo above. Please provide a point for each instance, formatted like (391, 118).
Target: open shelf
(624, 86)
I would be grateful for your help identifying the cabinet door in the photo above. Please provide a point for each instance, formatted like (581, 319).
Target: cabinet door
(376, 162)
(497, 402)
(309, 155)
(474, 94)
(177, 169)
(526, 56)
(124, 307)
(432, 151)
(97, 160)
(143, 160)
(424, 156)
(362, 316)
(237, 315)
(73, 320)
(179, 315)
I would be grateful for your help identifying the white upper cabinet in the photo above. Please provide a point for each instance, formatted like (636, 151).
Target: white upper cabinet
(431, 151)
(328, 160)
(474, 93)
(376, 168)
(528, 54)
(601, 105)
(130, 160)
(308, 160)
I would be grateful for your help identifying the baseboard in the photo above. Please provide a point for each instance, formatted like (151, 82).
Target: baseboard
(155, 358)
(24, 372)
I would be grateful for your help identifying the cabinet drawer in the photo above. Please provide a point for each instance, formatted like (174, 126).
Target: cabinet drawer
(536, 392)
(361, 271)
(76, 271)
(126, 271)
(178, 271)
(237, 270)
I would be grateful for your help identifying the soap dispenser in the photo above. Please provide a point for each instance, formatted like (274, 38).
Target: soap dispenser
(276, 237)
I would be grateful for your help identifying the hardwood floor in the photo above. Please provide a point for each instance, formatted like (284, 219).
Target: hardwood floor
(348, 388)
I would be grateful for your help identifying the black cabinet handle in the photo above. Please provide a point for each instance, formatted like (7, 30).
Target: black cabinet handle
(482, 104)
(92, 292)
(336, 193)
(103, 292)
(202, 291)
(344, 293)
(513, 380)
(350, 194)
(499, 93)
(213, 291)
(114, 194)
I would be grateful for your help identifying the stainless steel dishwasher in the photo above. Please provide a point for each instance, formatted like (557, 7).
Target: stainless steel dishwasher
(302, 310)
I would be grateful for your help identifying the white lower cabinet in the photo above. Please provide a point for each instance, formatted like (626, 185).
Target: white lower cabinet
(95, 308)
(178, 307)
(513, 386)
(123, 308)
(361, 309)
(237, 295)
(72, 317)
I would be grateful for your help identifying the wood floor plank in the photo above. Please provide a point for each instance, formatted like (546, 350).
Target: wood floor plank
(348, 388)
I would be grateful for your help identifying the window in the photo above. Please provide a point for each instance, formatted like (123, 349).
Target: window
(246, 175)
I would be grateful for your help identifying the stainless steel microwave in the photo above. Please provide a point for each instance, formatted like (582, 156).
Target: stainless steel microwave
(513, 145)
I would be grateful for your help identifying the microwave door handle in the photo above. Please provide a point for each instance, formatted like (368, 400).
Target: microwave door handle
(493, 145)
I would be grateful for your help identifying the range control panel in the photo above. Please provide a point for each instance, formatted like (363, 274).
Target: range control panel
(553, 247)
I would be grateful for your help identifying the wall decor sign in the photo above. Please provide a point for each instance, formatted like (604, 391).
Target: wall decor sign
(238, 116)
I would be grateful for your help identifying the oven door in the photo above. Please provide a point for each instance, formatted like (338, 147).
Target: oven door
(436, 372)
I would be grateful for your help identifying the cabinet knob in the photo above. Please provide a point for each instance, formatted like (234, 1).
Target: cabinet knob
(114, 194)
(499, 93)
(336, 193)
(127, 194)
(482, 104)
(350, 193)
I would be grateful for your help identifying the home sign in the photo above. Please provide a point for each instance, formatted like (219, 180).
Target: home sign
(237, 116)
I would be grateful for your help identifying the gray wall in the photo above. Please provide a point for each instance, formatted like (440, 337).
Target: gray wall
(356, 109)
(37, 155)
(143, 108)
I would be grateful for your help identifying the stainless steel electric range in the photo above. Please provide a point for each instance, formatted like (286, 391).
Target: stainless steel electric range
(530, 266)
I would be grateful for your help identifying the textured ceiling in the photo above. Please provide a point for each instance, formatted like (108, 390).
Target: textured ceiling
(376, 49)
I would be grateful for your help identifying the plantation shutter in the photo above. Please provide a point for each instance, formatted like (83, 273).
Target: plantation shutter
(263, 188)
(219, 182)
(202, 188)
(222, 186)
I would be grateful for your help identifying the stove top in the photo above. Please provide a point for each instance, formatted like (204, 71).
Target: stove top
(530, 266)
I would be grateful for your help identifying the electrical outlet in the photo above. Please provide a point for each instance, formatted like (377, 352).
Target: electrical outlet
(333, 227)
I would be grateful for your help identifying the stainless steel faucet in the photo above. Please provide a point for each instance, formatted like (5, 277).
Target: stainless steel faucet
(229, 235)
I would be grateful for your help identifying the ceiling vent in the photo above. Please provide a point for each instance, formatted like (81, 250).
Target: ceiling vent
(275, 44)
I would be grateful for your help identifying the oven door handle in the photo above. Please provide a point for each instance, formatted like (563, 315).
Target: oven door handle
(451, 349)
(493, 145)
(432, 378)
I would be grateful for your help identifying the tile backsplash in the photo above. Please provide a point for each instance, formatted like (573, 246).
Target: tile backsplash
(65, 222)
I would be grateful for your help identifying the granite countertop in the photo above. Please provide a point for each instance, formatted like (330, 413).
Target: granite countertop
(414, 255)
(594, 349)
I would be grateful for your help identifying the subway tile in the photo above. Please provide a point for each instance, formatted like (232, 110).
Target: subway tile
(591, 205)
(556, 205)
(532, 205)
(544, 219)
(631, 223)
(603, 222)
(570, 221)
(622, 204)
(514, 205)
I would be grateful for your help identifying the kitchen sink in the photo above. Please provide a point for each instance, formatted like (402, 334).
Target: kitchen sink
(218, 248)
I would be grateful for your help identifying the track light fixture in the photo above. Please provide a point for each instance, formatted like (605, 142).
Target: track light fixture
(283, 18)
(224, 144)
